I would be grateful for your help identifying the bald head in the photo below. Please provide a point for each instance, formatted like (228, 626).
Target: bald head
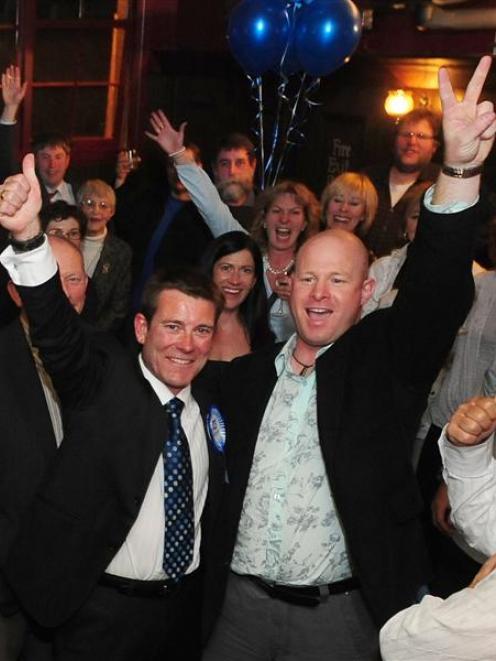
(71, 270)
(336, 242)
(330, 285)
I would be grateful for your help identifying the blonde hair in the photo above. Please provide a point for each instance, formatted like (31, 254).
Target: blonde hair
(96, 187)
(303, 196)
(348, 183)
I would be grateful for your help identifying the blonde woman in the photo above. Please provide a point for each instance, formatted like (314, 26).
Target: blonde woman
(349, 202)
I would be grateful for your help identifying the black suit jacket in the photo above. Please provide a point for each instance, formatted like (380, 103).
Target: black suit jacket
(114, 434)
(140, 206)
(27, 445)
(388, 229)
(372, 386)
(112, 283)
(27, 440)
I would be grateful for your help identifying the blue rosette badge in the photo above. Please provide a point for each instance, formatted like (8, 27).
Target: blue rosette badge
(216, 428)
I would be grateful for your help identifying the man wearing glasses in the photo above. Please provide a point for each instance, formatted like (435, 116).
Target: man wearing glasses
(414, 146)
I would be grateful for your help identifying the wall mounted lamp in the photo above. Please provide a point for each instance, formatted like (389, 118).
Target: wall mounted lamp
(398, 103)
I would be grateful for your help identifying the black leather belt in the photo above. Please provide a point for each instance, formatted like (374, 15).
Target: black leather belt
(307, 595)
(134, 588)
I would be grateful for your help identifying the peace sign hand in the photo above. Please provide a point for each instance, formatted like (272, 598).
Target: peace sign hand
(469, 127)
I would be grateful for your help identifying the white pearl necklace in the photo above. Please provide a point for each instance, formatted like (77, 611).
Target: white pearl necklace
(271, 269)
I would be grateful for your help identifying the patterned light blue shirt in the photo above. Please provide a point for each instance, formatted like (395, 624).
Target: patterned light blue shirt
(289, 531)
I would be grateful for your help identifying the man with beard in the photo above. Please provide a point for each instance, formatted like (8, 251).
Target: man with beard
(414, 146)
(234, 168)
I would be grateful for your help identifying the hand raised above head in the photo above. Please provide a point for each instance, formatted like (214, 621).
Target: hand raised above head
(473, 421)
(469, 126)
(20, 202)
(13, 90)
(164, 133)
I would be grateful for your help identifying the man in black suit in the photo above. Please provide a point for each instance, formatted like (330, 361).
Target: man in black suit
(155, 216)
(320, 528)
(93, 557)
(30, 429)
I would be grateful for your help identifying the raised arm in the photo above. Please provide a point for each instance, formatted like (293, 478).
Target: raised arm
(437, 289)
(469, 127)
(470, 471)
(13, 91)
(204, 194)
(55, 328)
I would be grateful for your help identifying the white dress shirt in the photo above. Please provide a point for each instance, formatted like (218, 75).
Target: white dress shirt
(470, 473)
(141, 555)
(462, 627)
(62, 192)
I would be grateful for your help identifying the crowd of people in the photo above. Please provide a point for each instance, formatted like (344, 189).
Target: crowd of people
(221, 411)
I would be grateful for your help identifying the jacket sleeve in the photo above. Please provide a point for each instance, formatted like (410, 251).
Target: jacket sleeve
(213, 210)
(66, 346)
(435, 295)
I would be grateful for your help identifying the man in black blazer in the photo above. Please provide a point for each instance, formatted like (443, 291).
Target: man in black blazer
(90, 556)
(30, 429)
(321, 527)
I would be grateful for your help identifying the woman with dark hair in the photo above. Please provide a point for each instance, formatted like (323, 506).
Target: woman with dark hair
(234, 262)
(65, 220)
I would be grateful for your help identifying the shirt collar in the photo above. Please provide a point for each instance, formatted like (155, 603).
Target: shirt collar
(96, 239)
(61, 188)
(283, 358)
(160, 389)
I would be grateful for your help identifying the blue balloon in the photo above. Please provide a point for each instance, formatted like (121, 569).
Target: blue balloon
(328, 33)
(258, 33)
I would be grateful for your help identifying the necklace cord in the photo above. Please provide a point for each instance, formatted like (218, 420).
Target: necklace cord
(305, 367)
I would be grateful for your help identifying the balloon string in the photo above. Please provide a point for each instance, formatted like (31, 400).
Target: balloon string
(257, 96)
(291, 126)
(281, 100)
(261, 132)
(294, 135)
(281, 89)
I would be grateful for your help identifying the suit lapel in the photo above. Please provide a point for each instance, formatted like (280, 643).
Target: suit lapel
(332, 368)
(216, 460)
(24, 379)
(154, 420)
(257, 386)
(102, 266)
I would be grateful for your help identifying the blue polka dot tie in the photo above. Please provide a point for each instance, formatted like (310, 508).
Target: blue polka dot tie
(178, 496)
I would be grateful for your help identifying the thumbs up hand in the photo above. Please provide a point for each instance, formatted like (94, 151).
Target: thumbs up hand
(20, 202)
